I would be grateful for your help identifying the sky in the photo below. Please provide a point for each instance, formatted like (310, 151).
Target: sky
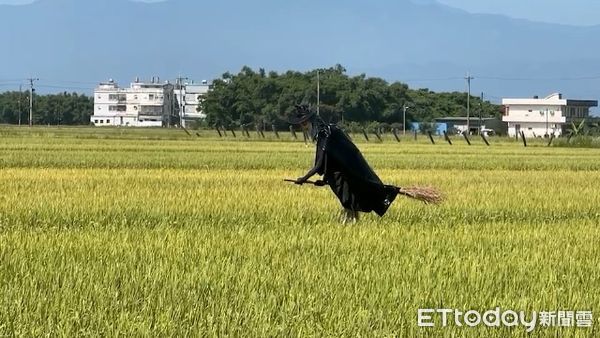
(25, 2)
(418, 66)
(571, 12)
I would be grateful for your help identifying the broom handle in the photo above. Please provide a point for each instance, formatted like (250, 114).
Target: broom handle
(400, 190)
(318, 183)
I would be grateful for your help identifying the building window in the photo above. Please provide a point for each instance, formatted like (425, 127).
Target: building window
(117, 97)
(151, 97)
(107, 121)
(151, 110)
(95, 121)
(101, 121)
(119, 108)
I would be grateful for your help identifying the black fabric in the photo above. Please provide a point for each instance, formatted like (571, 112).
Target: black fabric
(348, 174)
(301, 115)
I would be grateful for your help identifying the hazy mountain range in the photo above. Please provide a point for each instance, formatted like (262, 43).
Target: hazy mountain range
(75, 43)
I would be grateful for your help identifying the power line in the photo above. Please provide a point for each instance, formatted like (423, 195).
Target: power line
(433, 79)
(76, 82)
(65, 87)
(12, 80)
(499, 78)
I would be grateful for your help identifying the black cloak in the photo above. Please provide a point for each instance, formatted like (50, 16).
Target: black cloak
(348, 174)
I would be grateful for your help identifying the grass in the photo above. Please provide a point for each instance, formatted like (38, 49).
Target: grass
(153, 232)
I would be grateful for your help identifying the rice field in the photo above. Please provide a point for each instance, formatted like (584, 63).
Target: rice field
(107, 232)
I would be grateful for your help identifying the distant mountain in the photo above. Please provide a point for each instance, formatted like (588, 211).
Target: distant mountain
(425, 44)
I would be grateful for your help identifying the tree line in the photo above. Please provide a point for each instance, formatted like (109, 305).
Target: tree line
(260, 98)
(54, 109)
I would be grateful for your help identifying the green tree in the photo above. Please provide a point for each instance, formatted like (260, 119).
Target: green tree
(268, 97)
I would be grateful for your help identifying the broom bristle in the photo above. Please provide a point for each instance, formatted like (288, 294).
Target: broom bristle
(426, 195)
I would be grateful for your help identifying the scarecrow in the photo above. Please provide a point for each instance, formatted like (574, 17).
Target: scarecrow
(346, 171)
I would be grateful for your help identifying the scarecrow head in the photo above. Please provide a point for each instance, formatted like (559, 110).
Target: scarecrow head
(301, 116)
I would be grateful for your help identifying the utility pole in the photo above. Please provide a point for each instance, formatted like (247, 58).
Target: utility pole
(546, 135)
(468, 78)
(31, 90)
(181, 98)
(480, 114)
(19, 100)
(172, 107)
(404, 108)
(319, 94)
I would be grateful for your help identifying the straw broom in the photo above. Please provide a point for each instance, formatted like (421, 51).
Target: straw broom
(427, 195)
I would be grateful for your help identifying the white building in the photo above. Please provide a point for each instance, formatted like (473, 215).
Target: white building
(188, 97)
(143, 104)
(537, 117)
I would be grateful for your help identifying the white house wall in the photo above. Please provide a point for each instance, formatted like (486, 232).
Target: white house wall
(157, 101)
(191, 95)
(537, 117)
(533, 129)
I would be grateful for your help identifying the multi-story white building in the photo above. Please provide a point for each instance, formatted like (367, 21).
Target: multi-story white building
(537, 117)
(143, 104)
(189, 96)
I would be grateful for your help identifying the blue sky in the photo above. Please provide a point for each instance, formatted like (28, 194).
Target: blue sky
(572, 12)
(365, 26)
(25, 2)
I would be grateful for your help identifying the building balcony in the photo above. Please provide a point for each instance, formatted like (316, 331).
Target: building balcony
(535, 118)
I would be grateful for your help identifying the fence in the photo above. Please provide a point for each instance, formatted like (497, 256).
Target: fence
(378, 135)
